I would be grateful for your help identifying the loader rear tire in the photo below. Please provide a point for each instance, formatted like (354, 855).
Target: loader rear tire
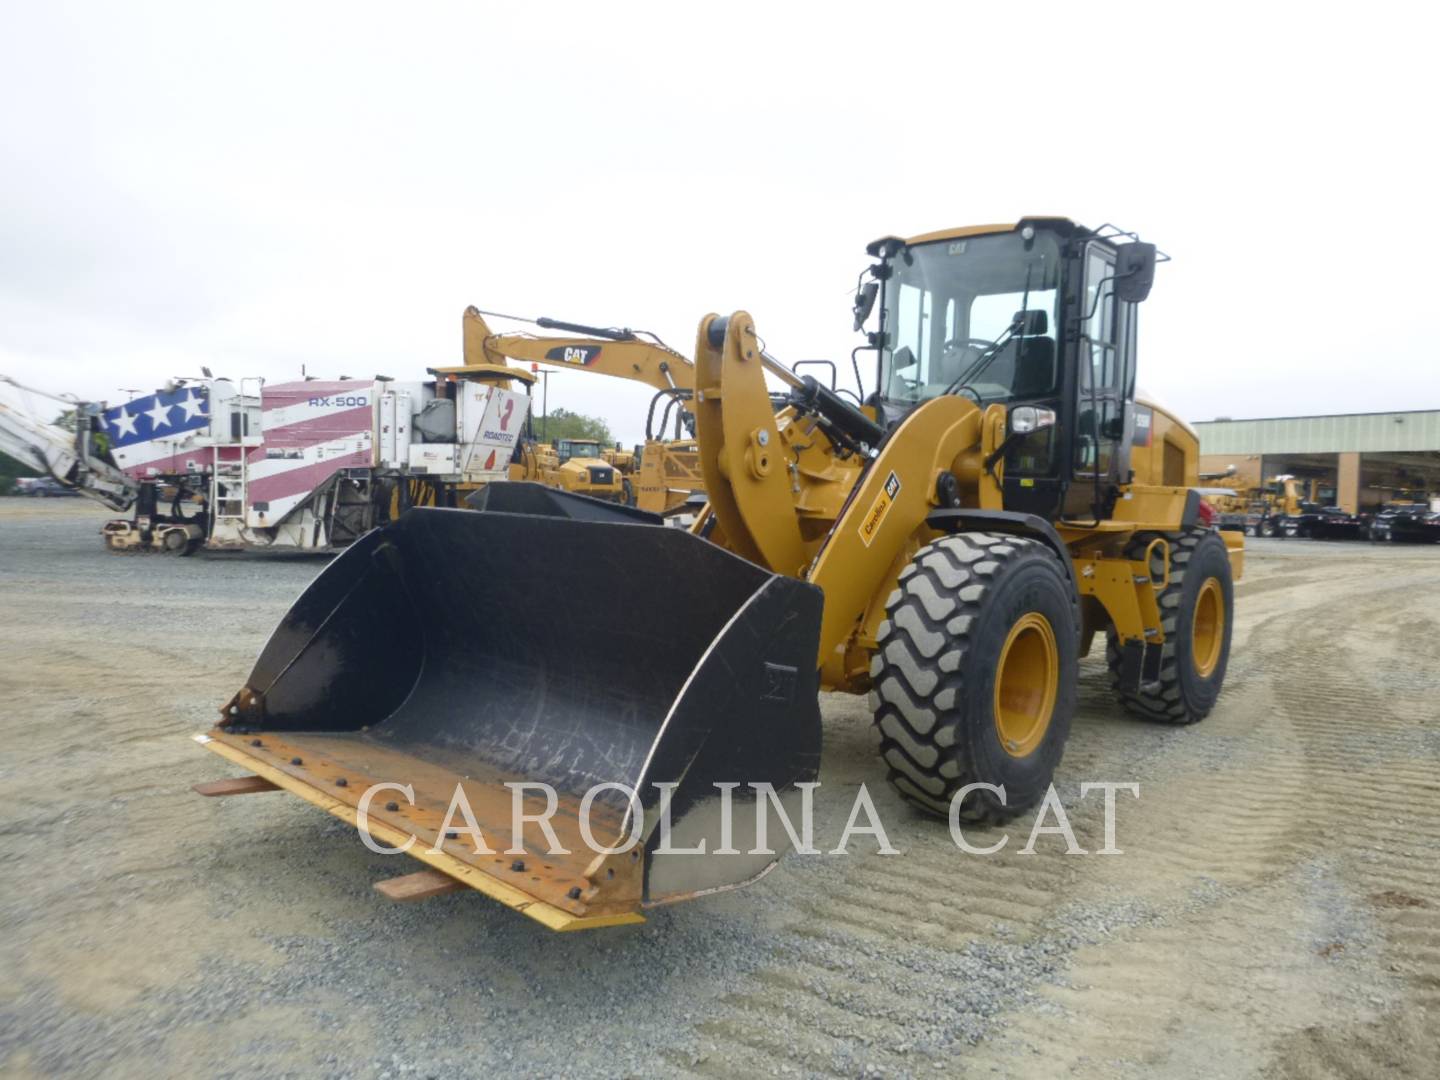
(975, 675)
(1196, 613)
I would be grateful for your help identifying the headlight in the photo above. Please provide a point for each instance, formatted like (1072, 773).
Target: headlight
(1027, 418)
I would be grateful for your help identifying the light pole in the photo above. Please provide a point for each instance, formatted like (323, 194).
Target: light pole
(545, 374)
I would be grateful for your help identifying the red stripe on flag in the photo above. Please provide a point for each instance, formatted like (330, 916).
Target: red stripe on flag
(303, 478)
(319, 429)
(179, 463)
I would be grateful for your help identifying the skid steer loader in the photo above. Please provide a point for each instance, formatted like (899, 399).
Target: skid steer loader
(952, 548)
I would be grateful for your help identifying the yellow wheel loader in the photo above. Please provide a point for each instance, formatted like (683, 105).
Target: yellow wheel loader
(951, 548)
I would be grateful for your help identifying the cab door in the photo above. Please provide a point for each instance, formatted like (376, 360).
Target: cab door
(1105, 391)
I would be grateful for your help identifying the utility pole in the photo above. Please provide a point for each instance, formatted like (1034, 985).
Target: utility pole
(545, 374)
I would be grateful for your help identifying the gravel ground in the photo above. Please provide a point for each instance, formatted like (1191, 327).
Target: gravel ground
(1276, 910)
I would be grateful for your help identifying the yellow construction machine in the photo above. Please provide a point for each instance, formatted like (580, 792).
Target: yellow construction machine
(952, 548)
(624, 461)
(667, 475)
(574, 465)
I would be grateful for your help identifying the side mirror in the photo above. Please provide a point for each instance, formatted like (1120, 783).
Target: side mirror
(1134, 271)
(865, 302)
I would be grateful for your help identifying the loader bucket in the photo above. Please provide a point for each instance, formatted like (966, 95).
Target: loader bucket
(525, 497)
(480, 650)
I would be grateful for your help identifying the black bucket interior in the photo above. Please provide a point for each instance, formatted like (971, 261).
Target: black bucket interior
(544, 647)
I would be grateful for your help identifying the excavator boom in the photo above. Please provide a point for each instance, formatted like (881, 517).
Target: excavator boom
(623, 357)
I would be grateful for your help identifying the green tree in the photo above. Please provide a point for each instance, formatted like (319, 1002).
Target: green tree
(9, 470)
(564, 424)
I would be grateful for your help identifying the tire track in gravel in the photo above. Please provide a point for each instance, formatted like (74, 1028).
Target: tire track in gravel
(1327, 776)
(1239, 817)
(1276, 906)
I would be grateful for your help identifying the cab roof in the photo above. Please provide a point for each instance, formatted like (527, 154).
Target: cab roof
(1063, 224)
(982, 230)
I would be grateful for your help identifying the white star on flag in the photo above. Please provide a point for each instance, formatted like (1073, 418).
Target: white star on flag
(124, 424)
(159, 415)
(194, 405)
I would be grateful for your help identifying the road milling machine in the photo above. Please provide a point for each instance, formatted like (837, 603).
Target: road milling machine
(255, 465)
(952, 548)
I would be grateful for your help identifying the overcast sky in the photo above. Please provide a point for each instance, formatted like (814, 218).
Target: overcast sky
(258, 187)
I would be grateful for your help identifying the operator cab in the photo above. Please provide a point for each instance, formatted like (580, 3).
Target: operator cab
(566, 449)
(1040, 314)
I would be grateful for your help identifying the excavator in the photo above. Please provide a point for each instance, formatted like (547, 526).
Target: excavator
(583, 752)
(667, 476)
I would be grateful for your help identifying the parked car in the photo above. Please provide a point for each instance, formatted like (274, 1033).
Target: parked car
(1323, 523)
(1413, 523)
(42, 487)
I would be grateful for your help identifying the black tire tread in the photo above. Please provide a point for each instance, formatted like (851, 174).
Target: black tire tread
(1165, 705)
(914, 671)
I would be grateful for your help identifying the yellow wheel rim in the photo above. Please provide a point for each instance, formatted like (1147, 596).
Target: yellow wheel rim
(1027, 681)
(1207, 627)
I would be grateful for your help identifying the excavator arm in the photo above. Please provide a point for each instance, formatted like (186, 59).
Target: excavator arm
(625, 356)
(669, 475)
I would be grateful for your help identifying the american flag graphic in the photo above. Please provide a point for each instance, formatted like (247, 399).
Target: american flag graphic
(161, 433)
(311, 431)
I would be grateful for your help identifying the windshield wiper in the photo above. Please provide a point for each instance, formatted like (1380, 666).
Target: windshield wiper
(981, 362)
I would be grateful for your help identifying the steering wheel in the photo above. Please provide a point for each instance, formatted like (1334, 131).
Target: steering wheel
(910, 384)
(981, 344)
(968, 389)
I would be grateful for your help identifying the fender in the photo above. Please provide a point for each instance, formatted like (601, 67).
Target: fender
(966, 519)
(886, 509)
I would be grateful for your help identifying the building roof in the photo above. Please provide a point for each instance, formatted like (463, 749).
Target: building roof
(1408, 430)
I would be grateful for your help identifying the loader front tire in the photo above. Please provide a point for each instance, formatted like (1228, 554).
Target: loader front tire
(1196, 613)
(975, 675)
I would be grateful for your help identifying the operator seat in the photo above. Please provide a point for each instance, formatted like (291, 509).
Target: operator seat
(1034, 368)
(1027, 362)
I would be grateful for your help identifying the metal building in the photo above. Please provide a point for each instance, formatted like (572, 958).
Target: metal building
(1366, 459)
